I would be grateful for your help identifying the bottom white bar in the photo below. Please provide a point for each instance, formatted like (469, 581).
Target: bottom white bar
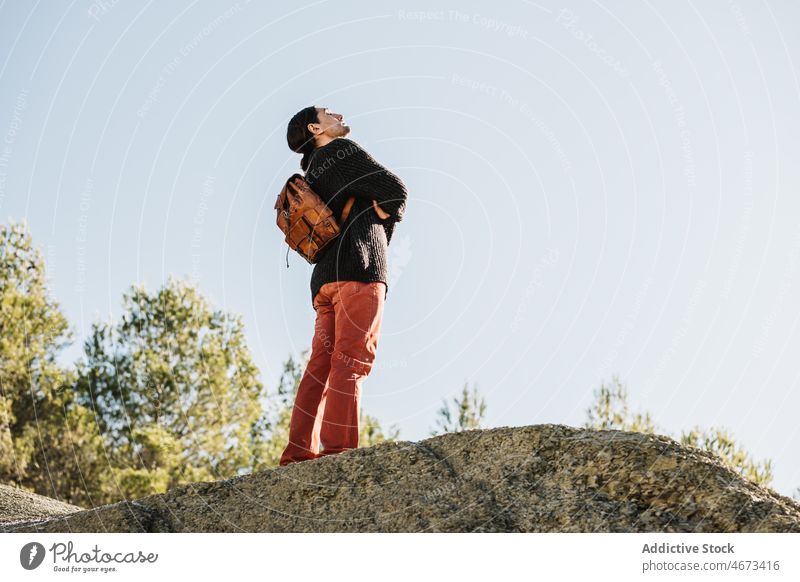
(350, 557)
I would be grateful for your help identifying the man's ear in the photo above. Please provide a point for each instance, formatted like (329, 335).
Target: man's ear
(310, 129)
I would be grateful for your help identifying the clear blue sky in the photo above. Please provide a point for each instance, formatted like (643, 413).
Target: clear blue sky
(593, 189)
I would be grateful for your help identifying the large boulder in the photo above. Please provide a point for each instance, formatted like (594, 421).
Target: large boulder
(20, 505)
(542, 478)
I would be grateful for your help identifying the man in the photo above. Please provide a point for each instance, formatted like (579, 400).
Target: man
(349, 284)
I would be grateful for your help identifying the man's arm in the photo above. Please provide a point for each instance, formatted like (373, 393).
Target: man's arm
(356, 173)
(382, 214)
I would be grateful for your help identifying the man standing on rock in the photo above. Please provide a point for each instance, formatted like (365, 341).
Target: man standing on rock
(349, 284)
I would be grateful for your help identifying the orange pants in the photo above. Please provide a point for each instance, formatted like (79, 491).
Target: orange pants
(326, 407)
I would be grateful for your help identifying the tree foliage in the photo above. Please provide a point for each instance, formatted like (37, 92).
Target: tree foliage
(48, 443)
(719, 441)
(610, 411)
(174, 389)
(465, 412)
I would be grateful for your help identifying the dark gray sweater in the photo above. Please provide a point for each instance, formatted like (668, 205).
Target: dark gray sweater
(338, 170)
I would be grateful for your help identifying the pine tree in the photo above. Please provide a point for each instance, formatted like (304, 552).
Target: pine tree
(174, 388)
(610, 411)
(48, 443)
(467, 412)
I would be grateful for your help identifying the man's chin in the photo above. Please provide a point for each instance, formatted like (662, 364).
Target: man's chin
(345, 130)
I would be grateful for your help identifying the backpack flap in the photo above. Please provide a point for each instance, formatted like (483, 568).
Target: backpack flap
(305, 219)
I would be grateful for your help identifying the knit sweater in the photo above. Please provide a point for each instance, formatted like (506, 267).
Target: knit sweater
(340, 169)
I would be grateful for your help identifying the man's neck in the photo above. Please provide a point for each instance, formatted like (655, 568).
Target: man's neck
(323, 140)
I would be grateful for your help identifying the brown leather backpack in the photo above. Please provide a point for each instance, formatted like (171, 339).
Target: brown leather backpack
(305, 219)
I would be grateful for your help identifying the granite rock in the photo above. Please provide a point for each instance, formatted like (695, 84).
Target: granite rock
(540, 478)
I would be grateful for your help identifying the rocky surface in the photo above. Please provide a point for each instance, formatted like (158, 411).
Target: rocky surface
(541, 478)
(20, 505)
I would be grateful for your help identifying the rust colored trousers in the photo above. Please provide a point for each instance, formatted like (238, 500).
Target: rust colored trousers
(326, 407)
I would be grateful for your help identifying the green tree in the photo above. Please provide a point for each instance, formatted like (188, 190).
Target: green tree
(371, 432)
(158, 456)
(463, 413)
(70, 462)
(48, 443)
(271, 433)
(719, 441)
(174, 388)
(610, 411)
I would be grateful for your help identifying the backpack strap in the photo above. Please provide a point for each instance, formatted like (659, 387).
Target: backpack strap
(347, 206)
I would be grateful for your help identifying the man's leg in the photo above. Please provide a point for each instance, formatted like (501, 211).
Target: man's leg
(304, 431)
(359, 311)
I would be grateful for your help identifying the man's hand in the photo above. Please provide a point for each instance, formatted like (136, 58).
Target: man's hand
(380, 211)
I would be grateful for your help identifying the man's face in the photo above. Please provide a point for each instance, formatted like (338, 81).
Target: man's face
(330, 124)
